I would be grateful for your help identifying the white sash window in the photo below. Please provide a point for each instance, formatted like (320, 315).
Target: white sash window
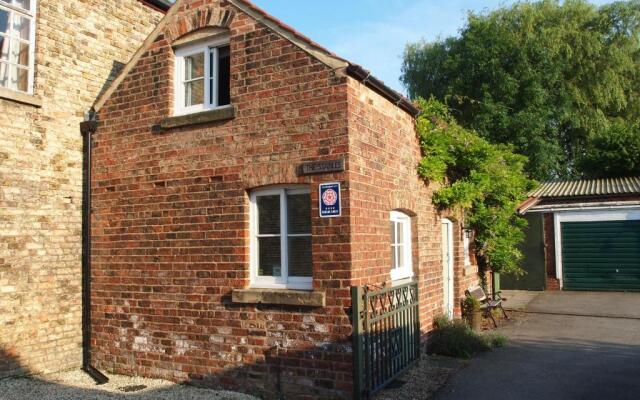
(17, 39)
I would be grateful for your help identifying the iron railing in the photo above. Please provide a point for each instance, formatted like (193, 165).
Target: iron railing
(386, 335)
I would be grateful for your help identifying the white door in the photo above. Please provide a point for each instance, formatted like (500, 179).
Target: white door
(447, 265)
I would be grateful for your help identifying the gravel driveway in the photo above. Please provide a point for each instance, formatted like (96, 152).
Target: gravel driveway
(78, 385)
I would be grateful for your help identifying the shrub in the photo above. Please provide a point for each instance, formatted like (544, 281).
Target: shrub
(454, 338)
(495, 340)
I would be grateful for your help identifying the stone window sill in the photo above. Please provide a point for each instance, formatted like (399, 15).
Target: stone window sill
(279, 296)
(19, 97)
(218, 114)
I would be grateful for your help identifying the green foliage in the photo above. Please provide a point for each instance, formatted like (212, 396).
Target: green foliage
(471, 304)
(614, 151)
(495, 340)
(454, 338)
(485, 181)
(549, 78)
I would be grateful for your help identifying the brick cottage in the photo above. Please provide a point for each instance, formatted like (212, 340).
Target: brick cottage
(210, 260)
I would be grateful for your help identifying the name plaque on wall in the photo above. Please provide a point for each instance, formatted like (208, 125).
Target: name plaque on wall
(321, 167)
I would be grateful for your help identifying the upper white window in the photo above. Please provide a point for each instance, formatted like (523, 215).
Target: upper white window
(281, 238)
(202, 76)
(17, 38)
(401, 259)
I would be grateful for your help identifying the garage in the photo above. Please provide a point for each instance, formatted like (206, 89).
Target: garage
(582, 235)
(601, 255)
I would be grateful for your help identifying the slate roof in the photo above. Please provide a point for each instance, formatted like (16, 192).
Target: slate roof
(588, 187)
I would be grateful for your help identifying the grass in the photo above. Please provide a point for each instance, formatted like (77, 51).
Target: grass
(454, 338)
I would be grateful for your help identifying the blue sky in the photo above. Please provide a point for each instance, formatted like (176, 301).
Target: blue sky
(373, 33)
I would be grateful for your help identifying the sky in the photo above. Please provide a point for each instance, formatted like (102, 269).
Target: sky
(373, 33)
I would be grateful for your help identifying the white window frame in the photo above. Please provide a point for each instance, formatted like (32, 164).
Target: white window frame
(210, 101)
(31, 15)
(284, 281)
(402, 221)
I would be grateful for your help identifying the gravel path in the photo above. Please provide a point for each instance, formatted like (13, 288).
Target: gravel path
(423, 380)
(78, 385)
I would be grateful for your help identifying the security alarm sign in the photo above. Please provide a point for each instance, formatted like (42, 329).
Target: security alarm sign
(330, 200)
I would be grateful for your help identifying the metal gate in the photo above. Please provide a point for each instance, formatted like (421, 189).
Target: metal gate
(386, 335)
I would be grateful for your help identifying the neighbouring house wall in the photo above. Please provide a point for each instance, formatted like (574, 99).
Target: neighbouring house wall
(383, 156)
(80, 46)
(171, 221)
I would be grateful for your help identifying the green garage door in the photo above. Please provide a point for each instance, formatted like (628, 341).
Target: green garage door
(602, 255)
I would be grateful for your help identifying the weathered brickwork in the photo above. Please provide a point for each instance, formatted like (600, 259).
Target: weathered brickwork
(170, 222)
(80, 46)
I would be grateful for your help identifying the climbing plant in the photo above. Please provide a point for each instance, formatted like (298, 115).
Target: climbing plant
(484, 181)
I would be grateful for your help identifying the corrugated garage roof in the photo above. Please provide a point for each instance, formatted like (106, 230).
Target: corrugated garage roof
(588, 187)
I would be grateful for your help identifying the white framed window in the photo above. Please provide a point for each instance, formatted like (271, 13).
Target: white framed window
(17, 44)
(281, 238)
(202, 76)
(401, 259)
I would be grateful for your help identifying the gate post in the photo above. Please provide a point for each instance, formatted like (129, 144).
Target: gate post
(357, 318)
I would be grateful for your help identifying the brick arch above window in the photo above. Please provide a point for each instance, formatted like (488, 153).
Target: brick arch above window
(202, 18)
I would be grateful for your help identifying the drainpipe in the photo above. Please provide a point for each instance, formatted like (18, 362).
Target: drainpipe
(87, 128)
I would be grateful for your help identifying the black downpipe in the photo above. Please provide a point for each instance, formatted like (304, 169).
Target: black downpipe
(87, 128)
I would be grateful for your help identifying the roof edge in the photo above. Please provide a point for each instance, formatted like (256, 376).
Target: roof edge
(378, 86)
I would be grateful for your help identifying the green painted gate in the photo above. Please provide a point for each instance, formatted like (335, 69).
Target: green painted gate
(386, 335)
(601, 255)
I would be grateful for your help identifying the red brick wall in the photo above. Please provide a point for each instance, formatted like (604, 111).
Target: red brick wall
(170, 224)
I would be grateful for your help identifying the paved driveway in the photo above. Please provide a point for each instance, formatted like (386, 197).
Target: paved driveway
(567, 345)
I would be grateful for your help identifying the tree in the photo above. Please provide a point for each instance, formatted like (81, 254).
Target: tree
(549, 78)
(613, 152)
(484, 181)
